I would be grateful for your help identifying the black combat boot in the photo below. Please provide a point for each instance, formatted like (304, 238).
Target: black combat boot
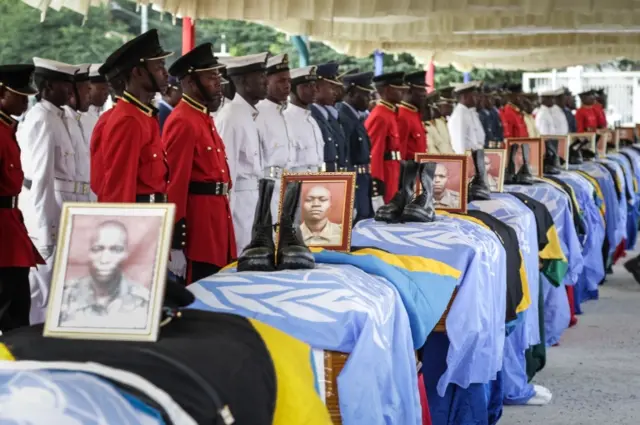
(392, 211)
(422, 208)
(524, 175)
(292, 251)
(575, 154)
(510, 172)
(478, 188)
(552, 164)
(587, 153)
(259, 255)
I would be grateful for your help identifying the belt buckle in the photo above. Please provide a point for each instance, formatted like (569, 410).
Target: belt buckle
(152, 198)
(218, 189)
(14, 202)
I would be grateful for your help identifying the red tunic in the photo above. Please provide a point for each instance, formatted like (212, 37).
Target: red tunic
(513, 122)
(413, 138)
(134, 162)
(97, 170)
(16, 249)
(382, 127)
(195, 153)
(586, 119)
(600, 115)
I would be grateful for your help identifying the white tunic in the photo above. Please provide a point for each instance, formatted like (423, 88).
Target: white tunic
(560, 120)
(73, 123)
(465, 129)
(276, 147)
(47, 155)
(89, 120)
(236, 123)
(306, 137)
(545, 122)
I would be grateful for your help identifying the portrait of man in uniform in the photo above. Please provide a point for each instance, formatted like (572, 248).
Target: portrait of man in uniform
(325, 210)
(447, 184)
(110, 271)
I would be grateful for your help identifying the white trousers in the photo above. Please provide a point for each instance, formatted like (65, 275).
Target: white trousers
(40, 283)
(243, 209)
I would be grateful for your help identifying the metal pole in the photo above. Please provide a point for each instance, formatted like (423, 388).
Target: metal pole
(466, 77)
(144, 18)
(378, 62)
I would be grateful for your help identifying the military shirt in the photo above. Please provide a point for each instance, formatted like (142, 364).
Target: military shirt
(331, 234)
(450, 199)
(125, 308)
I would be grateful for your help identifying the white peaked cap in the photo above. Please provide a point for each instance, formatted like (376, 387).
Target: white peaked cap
(459, 88)
(305, 71)
(55, 66)
(277, 60)
(237, 65)
(93, 70)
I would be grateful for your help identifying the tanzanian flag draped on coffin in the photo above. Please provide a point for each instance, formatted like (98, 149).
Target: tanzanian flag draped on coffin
(202, 359)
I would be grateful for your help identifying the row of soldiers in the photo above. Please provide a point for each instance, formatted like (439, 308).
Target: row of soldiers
(269, 119)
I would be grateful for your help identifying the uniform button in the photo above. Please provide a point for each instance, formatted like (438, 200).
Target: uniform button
(329, 138)
(184, 226)
(154, 155)
(336, 145)
(218, 150)
(10, 165)
(209, 148)
(183, 243)
(184, 234)
(222, 171)
(228, 216)
(168, 182)
(359, 138)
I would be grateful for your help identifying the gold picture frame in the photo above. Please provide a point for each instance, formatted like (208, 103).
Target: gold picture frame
(602, 143)
(454, 194)
(318, 205)
(497, 161)
(536, 163)
(119, 251)
(591, 136)
(563, 148)
(623, 133)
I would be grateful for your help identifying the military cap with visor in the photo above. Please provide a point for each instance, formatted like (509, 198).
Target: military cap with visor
(416, 79)
(199, 59)
(145, 47)
(328, 72)
(391, 79)
(360, 81)
(17, 79)
(278, 63)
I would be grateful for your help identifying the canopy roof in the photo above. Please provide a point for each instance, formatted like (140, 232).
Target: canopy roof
(508, 34)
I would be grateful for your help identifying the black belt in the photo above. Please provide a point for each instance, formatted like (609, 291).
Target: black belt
(208, 188)
(392, 156)
(8, 202)
(331, 167)
(153, 198)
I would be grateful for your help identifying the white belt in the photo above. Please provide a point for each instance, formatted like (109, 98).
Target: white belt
(81, 188)
(245, 184)
(310, 169)
(274, 172)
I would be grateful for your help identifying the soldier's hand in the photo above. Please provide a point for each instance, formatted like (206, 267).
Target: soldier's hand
(46, 251)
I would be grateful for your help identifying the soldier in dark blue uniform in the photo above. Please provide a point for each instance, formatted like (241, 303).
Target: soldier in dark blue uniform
(484, 107)
(357, 88)
(496, 121)
(336, 153)
(568, 104)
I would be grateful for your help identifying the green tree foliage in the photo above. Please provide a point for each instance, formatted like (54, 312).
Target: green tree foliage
(65, 37)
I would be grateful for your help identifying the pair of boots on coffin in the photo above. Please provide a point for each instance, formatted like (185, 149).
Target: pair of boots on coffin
(292, 253)
(523, 176)
(577, 153)
(552, 161)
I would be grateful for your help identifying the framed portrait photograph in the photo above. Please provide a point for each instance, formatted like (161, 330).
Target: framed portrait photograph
(605, 138)
(623, 134)
(563, 148)
(325, 210)
(588, 138)
(449, 181)
(109, 272)
(535, 153)
(495, 162)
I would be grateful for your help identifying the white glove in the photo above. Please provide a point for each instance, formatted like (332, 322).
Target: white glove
(46, 251)
(377, 202)
(178, 263)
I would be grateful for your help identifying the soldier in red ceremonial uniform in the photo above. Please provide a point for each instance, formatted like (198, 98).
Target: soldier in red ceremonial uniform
(586, 116)
(134, 163)
(17, 253)
(382, 127)
(513, 123)
(116, 86)
(200, 179)
(599, 104)
(413, 137)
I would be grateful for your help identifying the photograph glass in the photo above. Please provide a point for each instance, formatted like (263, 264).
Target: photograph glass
(604, 140)
(494, 162)
(449, 181)
(535, 154)
(624, 134)
(325, 209)
(109, 273)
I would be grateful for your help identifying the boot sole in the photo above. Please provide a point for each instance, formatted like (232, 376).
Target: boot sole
(296, 262)
(416, 215)
(263, 264)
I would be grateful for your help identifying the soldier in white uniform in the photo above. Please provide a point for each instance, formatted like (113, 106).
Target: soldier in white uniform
(236, 123)
(274, 136)
(98, 96)
(48, 161)
(304, 130)
(465, 128)
(544, 118)
(559, 117)
(78, 104)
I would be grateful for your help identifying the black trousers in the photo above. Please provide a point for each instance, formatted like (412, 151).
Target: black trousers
(15, 298)
(201, 270)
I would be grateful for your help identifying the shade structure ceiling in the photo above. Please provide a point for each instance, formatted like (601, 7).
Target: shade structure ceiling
(507, 34)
